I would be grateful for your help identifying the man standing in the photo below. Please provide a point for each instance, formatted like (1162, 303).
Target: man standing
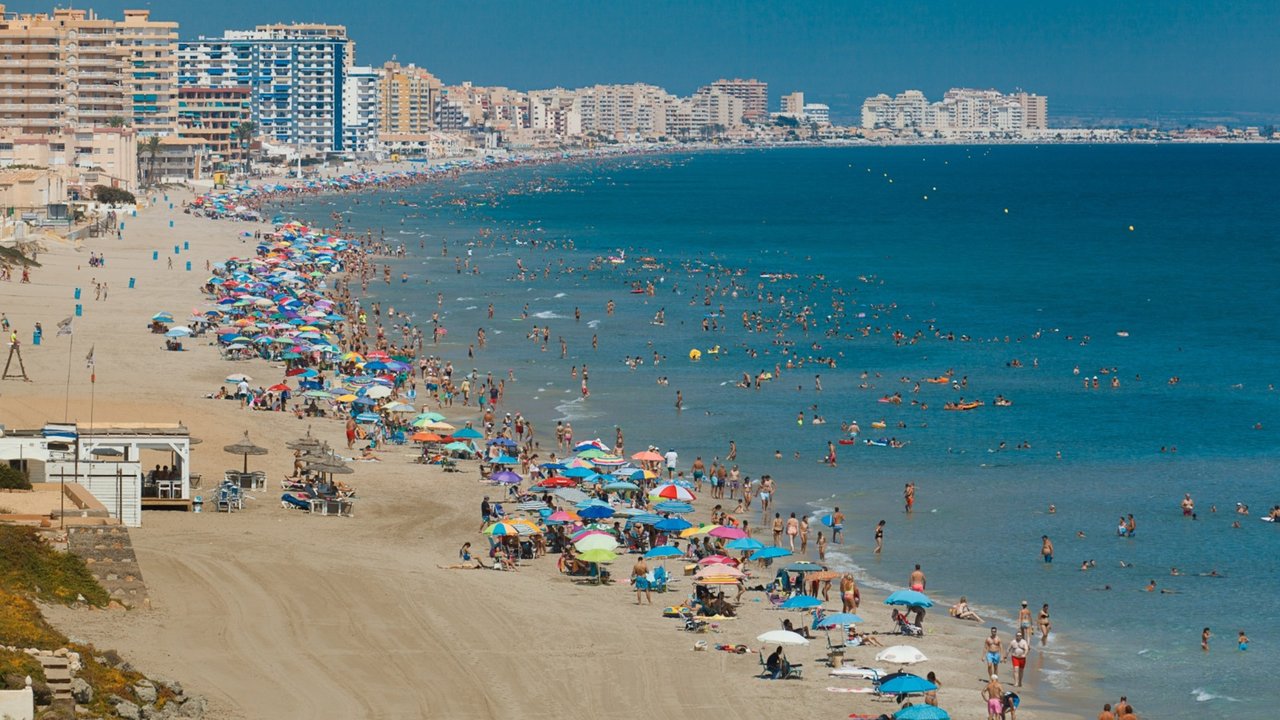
(993, 647)
(671, 458)
(1046, 549)
(837, 527)
(909, 496)
(917, 580)
(1017, 654)
(486, 512)
(639, 571)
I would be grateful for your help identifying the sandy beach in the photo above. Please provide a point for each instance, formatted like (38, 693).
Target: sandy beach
(273, 613)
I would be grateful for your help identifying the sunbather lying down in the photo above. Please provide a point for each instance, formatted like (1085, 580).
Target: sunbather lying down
(367, 455)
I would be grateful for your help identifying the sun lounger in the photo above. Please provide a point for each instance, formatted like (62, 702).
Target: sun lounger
(291, 500)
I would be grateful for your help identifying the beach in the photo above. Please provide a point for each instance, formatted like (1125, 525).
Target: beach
(355, 611)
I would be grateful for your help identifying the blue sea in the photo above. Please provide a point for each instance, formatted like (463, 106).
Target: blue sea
(1024, 271)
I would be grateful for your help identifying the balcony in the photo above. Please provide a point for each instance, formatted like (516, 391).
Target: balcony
(30, 107)
(31, 63)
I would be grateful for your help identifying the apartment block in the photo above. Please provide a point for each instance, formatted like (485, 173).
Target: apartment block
(361, 109)
(296, 75)
(409, 99)
(961, 112)
(214, 116)
(83, 157)
(753, 94)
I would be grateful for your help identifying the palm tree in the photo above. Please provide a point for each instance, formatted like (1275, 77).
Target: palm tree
(244, 136)
(152, 148)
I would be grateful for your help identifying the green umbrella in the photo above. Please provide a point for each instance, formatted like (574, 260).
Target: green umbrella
(598, 556)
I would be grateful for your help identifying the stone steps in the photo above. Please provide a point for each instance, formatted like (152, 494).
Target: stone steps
(108, 553)
(57, 675)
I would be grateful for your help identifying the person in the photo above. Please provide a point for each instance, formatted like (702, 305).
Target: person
(849, 594)
(486, 512)
(1126, 713)
(793, 529)
(879, 537)
(789, 627)
(822, 546)
(638, 573)
(917, 580)
(777, 529)
(465, 560)
(671, 457)
(1204, 639)
(1242, 641)
(1106, 713)
(1046, 548)
(962, 611)
(909, 496)
(993, 693)
(992, 645)
(1017, 655)
(776, 664)
(1024, 619)
(1045, 625)
(837, 527)
(931, 697)
(1188, 505)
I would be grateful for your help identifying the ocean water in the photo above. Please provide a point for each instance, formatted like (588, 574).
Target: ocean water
(1043, 255)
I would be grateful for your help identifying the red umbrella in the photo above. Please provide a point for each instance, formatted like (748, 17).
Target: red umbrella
(281, 387)
(557, 481)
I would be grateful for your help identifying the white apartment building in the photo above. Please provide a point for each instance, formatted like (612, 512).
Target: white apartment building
(360, 112)
(962, 111)
(296, 74)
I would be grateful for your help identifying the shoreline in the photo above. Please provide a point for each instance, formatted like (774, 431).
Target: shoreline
(156, 539)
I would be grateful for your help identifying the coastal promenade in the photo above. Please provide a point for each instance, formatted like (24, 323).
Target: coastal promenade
(274, 613)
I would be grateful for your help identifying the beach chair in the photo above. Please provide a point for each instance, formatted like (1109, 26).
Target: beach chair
(789, 670)
(289, 500)
(691, 621)
(398, 438)
(905, 627)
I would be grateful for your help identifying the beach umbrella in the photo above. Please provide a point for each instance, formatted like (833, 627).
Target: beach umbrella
(718, 560)
(598, 556)
(664, 551)
(769, 553)
(803, 566)
(909, 597)
(585, 445)
(368, 417)
(178, 332)
(672, 491)
(596, 542)
(921, 712)
(646, 519)
(745, 543)
(720, 570)
(467, 433)
(235, 378)
(700, 529)
(900, 655)
(904, 683)
(572, 495)
(801, 602)
(457, 447)
(609, 461)
(556, 481)
(502, 527)
(532, 506)
(577, 472)
(838, 620)
(443, 428)
(726, 532)
(426, 437)
(647, 456)
(505, 460)
(673, 506)
(562, 516)
(431, 417)
(782, 637)
(672, 524)
(163, 317)
(621, 486)
(596, 512)
(246, 448)
(506, 477)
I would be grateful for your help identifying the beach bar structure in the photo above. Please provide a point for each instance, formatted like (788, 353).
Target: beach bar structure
(110, 461)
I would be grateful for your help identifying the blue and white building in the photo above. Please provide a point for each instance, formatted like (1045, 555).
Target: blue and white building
(297, 76)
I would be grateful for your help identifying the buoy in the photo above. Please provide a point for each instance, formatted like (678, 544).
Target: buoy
(1006, 211)
(926, 197)
(1130, 228)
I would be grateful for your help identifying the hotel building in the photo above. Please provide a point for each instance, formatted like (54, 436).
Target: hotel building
(409, 99)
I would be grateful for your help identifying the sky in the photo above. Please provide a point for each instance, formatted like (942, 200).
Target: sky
(1127, 57)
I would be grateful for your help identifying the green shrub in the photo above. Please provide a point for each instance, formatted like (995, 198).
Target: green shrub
(29, 566)
(11, 479)
(113, 196)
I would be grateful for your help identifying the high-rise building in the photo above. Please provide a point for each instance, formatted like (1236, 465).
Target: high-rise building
(296, 75)
(151, 72)
(71, 69)
(1035, 110)
(409, 99)
(360, 112)
(214, 115)
(753, 94)
(793, 104)
(817, 113)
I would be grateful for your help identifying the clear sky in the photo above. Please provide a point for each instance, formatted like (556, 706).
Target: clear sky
(1091, 56)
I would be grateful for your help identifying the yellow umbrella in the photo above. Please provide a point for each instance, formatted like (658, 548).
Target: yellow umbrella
(702, 529)
(345, 398)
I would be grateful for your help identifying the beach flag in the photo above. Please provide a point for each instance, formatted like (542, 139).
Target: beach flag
(64, 326)
(88, 362)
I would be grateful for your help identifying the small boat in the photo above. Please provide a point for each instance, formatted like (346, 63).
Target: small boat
(940, 380)
(963, 405)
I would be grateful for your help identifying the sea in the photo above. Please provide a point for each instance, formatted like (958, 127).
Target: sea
(1020, 271)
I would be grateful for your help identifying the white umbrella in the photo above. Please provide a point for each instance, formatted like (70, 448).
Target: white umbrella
(378, 391)
(782, 637)
(237, 377)
(900, 655)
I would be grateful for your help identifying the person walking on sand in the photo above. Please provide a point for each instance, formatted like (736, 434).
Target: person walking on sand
(793, 529)
(849, 595)
(1046, 549)
(638, 573)
(804, 535)
(993, 693)
(992, 646)
(822, 546)
(777, 529)
(351, 432)
(1017, 655)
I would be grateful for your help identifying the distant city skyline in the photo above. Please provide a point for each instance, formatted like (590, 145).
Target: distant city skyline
(1094, 58)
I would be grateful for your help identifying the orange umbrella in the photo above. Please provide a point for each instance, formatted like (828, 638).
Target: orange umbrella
(426, 437)
(647, 456)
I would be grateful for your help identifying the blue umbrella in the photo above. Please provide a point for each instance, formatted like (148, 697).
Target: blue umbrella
(672, 525)
(903, 683)
(673, 506)
(368, 418)
(595, 512)
(921, 712)
(769, 553)
(589, 501)
(664, 551)
(744, 544)
(505, 442)
(578, 472)
(909, 597)
(647, 519)
(801, 602)
(838, 619)
(505, 460)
